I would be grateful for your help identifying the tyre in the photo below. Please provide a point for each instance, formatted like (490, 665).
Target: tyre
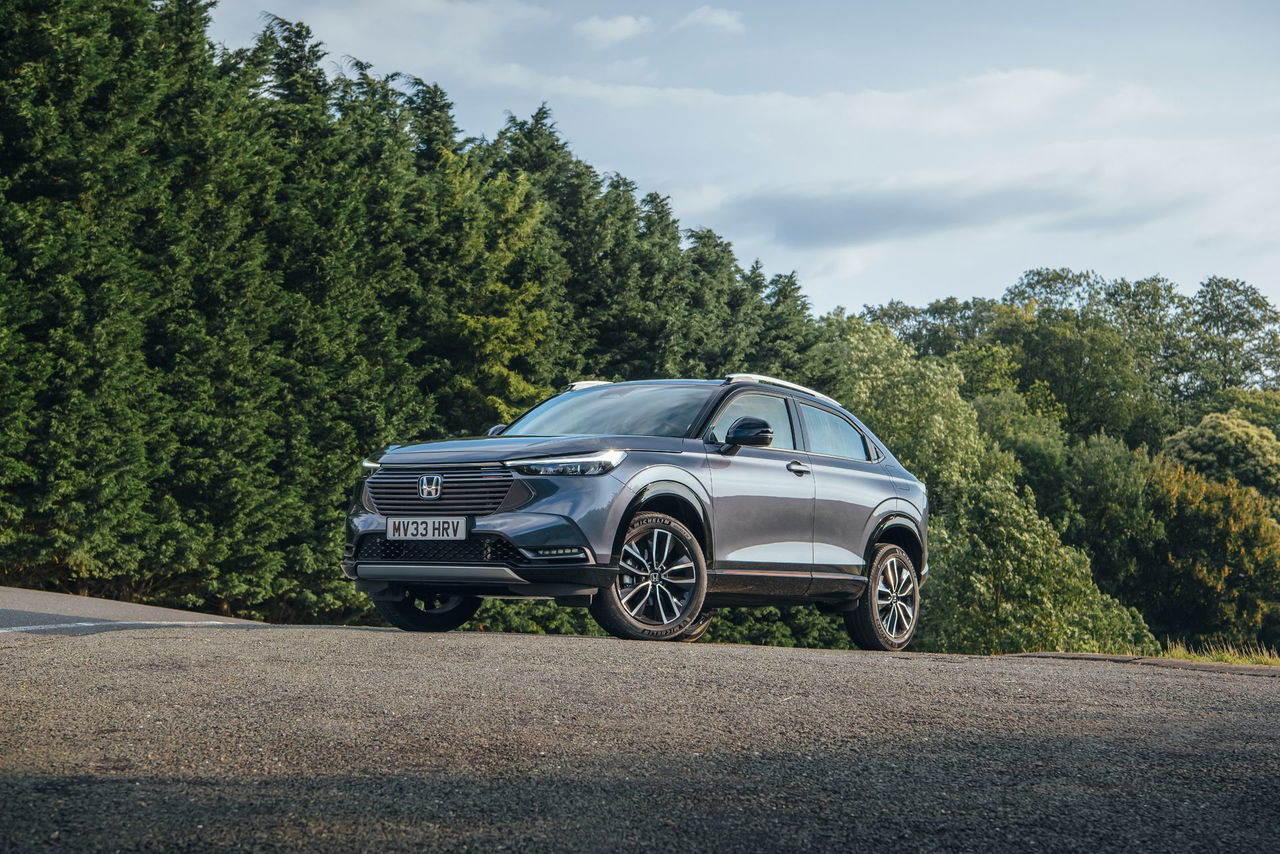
(889, 611)
(658, 594)
(428, 611)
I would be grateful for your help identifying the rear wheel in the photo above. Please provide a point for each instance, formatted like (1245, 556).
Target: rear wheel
(887, 616)
(428, 611)
(659, 592)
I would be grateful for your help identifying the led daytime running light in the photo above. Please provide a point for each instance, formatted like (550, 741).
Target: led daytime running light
(588, 464)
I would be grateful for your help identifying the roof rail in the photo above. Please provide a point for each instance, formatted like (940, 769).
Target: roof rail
(760, 378)
(580, 384)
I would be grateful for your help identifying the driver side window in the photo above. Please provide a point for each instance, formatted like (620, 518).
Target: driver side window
(772, 409)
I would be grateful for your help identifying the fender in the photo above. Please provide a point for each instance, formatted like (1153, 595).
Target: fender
(656, 482)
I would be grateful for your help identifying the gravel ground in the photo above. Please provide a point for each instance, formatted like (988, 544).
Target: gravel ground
(341, 739)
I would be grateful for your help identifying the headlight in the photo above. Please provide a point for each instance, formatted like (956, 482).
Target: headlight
(366, 501)
(586, 464)
(367, 467)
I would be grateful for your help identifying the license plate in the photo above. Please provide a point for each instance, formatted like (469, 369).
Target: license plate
(428, 528)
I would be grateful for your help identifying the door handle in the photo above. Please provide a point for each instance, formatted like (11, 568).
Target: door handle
(798, 468)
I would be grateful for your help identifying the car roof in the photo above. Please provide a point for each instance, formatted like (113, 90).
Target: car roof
(798, 393)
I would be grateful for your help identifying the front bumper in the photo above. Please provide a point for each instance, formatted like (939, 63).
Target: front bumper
(505, 554)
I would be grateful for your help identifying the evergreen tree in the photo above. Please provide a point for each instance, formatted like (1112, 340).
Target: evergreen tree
(431, 121)
(79, 83)
(786, 334)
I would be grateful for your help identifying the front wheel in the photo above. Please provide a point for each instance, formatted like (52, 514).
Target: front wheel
(428, 611)
(661, 585)
(887, 616)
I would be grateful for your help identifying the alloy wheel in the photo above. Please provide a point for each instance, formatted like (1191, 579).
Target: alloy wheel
(897, 599)
(658, 577)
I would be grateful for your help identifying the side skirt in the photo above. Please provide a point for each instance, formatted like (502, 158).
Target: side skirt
(784, 581)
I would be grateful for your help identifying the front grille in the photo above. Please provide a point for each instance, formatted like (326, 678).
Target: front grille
(469, 490)
(479, 549)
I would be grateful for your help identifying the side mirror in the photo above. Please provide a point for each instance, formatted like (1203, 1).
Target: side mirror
(749, 431)
(496, 429)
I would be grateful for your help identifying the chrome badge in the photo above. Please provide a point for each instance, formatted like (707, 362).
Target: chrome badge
(429, 486)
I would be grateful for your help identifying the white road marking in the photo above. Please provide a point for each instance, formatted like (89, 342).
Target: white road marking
(118, 623)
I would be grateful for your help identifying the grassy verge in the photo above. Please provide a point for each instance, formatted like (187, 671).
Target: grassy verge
(1251, 653)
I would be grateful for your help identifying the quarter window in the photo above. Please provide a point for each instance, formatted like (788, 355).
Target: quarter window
(831, 435)
(771, 409)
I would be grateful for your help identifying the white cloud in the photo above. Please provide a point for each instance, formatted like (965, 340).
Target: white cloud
(710, 17)
(601, 33)
(1136, 102)
(972, 105)
(399, 35)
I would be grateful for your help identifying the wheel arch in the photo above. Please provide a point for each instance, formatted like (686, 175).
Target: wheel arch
(675, 500)
(900, 530)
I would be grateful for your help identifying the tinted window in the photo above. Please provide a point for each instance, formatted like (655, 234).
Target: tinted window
(832, 435)
(766, 406)
(616, 410)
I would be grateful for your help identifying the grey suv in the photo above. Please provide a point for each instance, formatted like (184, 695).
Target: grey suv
(652, 503)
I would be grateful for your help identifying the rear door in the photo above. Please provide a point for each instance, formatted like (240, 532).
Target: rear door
(849, 485)
(762, 502)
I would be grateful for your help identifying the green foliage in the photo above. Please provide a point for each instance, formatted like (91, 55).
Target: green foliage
(1224, 446)
(1259, 406)
(1094, 359)
(1036, 439)
(1215, 575)
(1002, 580)
(988, 368)
(1199, 559)
(76, 86)
(802, 627)
(534, 617)
(1239, 340)
(1111, 515)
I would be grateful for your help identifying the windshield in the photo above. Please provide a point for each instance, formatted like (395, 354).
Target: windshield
(616, 410)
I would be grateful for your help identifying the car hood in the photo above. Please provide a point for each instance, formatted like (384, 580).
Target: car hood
(494, 449)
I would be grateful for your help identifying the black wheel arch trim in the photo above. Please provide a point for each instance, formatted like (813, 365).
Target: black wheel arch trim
(896, 520)
(665, 489)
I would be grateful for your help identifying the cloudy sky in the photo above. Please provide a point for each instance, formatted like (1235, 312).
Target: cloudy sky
(903, 149)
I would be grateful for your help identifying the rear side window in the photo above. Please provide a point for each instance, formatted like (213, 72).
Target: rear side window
(831, 435)
(771, 409)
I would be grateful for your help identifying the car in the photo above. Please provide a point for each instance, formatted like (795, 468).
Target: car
(652, 503)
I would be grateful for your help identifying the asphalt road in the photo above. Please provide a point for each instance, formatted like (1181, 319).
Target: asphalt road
(237, 737)
(39, 612)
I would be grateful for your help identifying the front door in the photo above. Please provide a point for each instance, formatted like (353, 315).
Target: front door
(762, 503)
